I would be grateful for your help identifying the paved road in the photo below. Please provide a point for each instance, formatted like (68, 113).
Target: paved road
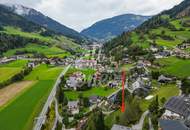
(99, 53)
(42, 117)
(58, 118)
(150, 124)
(139, 126)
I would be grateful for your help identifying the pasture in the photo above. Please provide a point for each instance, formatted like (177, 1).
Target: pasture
(175, 67)
(95, 91)
(10, 69)
(20, 113)
(35, 48)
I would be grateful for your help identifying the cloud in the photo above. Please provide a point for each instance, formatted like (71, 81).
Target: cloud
(79, 14)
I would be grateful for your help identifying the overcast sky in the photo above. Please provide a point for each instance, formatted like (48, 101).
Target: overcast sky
(79, 14)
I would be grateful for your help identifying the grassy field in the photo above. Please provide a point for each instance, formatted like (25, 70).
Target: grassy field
(10, 92)
(44, 72)
(48, 51)
(18, 31)
(174, 66)
(99, 91)
(20, 113)
(165, 91)
(10, 69)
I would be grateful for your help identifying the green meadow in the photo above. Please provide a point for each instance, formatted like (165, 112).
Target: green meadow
(163, 91)
(10, 69)
(95, 91)
(21, 112)
(46, 50)
(18, 31)
(175, 67)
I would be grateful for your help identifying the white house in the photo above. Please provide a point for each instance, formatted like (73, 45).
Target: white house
(73, 107)
(75, 80)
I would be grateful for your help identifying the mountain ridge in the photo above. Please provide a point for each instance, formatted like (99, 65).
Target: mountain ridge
(111, 27)
(43, 20)
(168, 29)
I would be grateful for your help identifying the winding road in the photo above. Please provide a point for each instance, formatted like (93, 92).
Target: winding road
(139, 126)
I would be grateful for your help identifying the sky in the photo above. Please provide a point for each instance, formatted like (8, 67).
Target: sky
(80, 14)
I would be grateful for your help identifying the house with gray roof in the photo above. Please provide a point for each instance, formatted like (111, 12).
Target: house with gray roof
(141, 84)
(73, 107)
(177, 107)
(172, 125)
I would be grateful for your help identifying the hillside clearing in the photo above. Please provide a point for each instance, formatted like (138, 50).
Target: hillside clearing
(175, 67)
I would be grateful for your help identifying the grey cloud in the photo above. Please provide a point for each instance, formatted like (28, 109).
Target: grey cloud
(79, 14)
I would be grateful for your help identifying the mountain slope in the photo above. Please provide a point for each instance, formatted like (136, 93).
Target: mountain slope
(39, 18)
(18, 32)
(112, 27)
(9, 18)
(167, 29)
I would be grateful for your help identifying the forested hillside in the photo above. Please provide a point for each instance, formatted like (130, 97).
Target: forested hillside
(112, 27)
(167, 29)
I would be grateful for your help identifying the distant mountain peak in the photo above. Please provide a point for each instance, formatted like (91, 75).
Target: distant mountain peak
(19, 9)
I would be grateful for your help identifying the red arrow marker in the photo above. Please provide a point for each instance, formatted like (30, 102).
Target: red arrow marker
(123, 91)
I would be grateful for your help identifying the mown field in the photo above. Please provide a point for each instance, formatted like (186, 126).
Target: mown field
(10, 69)
(18, 31)
(95, 91)
(163, 91)
(20, 113)
(47, 51)
(175, 67)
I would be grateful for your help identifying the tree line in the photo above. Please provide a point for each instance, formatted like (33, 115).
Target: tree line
(17, 77)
